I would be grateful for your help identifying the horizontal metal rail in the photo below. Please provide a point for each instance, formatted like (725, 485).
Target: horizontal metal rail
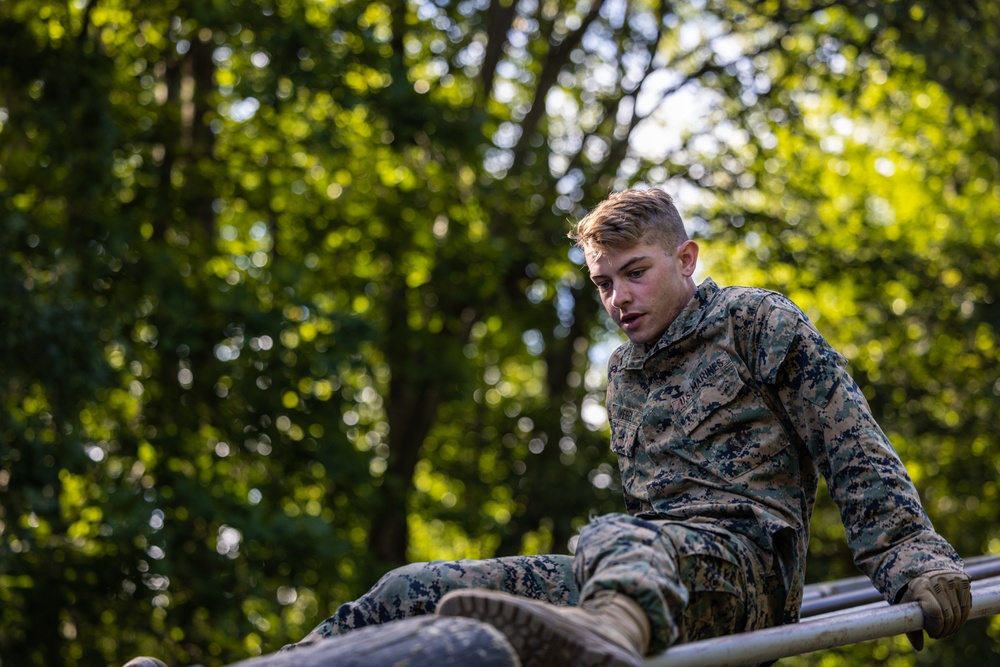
(856, 591)
(822, 632)
(976, 586)
(973, 564)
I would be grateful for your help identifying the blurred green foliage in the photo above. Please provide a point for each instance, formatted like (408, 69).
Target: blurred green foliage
(287, 300)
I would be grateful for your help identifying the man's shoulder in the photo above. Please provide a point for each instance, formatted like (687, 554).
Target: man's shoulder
(619, 353)
(749, 295)
(752, 302)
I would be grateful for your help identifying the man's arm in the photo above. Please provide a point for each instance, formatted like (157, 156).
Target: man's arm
(888, 531)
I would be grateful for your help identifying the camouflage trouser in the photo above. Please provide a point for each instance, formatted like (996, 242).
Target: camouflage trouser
(694, 581)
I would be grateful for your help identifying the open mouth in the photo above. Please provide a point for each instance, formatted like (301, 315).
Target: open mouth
(628, 320)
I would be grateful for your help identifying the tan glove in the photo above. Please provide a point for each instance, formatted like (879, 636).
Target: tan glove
(945, 597)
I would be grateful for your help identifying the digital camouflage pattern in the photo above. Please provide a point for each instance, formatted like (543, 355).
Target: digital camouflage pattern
(695, 581)
(415, 589)
(730, 417)
(721, 428)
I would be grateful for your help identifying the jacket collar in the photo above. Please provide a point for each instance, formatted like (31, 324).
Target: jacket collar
(635, 355)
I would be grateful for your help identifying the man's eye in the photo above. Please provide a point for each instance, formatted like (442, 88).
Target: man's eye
(636, 273)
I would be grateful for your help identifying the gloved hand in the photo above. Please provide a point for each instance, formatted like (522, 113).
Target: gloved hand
(945, 597)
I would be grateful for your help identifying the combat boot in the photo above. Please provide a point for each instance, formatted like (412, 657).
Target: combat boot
(608, 630)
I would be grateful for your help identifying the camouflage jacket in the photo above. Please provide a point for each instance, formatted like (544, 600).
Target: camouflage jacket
(730, 418)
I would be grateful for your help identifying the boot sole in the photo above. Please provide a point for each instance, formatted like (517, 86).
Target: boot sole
(540, 637)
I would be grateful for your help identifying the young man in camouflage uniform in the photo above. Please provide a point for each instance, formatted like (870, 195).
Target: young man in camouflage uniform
(725, 406)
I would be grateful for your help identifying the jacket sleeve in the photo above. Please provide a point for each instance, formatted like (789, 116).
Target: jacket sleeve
(888, 531)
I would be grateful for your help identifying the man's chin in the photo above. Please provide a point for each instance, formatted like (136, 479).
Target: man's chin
(639, 337)
(642, 335)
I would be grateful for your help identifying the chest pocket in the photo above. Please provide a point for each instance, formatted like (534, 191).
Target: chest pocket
(624, 427)
(725, 428)
(714, 395)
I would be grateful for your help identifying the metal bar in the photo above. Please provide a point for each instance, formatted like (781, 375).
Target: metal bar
(976, 586)
(827, 589)
(853, 595)
(815, 634)
(830, 588)
(840, 601)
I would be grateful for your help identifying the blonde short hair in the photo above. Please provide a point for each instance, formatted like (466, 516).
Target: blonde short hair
(629, 217)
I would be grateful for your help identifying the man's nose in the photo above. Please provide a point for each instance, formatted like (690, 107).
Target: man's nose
(620, 297)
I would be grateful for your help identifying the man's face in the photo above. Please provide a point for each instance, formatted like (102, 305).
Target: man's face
(644, 287)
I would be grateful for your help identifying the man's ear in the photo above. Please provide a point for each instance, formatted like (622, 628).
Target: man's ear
(687, 258)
